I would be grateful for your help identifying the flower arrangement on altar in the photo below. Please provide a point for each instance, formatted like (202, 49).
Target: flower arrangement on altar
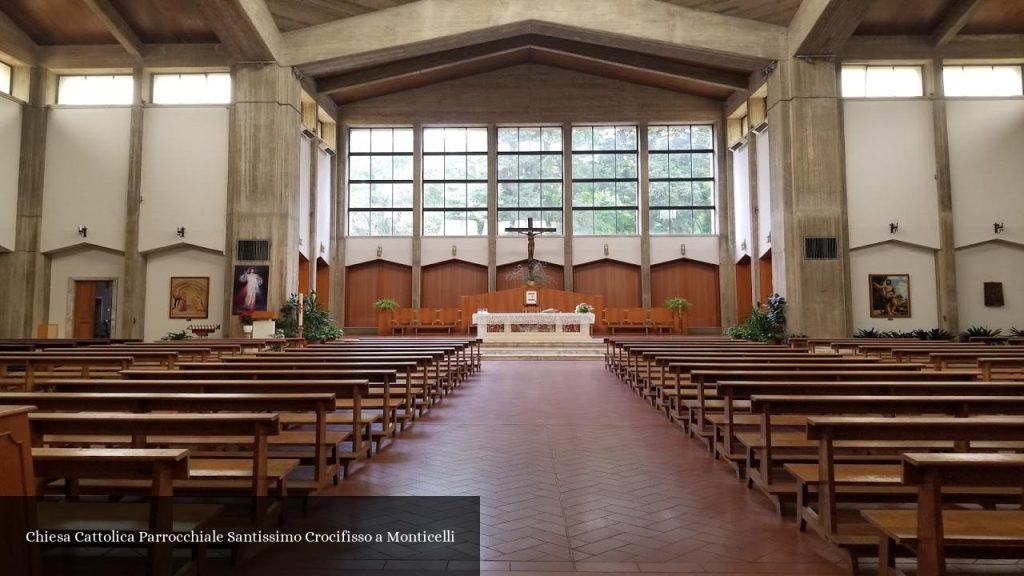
(584, 308)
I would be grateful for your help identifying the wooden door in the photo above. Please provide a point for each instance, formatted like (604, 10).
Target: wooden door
(85, 309)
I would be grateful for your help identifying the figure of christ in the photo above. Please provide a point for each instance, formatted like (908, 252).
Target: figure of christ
(531, 234)
(251, 290)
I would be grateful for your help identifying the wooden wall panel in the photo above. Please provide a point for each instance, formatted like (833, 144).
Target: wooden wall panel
(744, 289)
(365, 283)
(698, 282)
(445, 283)
(303, 275)
(618, 282)
(767, 287)
(555, 274)
(323, 284)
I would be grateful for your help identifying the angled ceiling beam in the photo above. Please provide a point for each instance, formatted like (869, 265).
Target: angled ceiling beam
(15, 43)
(957, 16)
(113, 56)
(429, 22)
(246, 27)
(590, 52)
(117, 26)
(822, 27)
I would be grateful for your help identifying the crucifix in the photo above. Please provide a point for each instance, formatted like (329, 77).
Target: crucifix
(530, 233)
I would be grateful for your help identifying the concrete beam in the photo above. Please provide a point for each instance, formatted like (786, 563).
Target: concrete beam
(971, 46)
(117, 26)
(822, 27)
(155, 56)
(957, 16)
(413, 25)
(246, 27)
(15, 43)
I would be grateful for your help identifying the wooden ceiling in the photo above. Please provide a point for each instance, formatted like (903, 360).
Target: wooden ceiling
(56, 22)
(166, 21)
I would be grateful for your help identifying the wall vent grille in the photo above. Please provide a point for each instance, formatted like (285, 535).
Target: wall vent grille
(253, 250)
(821, 248)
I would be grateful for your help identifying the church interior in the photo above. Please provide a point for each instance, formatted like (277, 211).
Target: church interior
(515, 287)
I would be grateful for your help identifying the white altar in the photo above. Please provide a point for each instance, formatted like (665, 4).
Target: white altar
(533, 327)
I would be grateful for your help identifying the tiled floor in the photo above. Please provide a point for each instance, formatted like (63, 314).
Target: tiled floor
(576, 474)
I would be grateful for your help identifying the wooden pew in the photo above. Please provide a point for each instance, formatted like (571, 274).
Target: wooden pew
(352, 392)
(104, 424)
(159, 467)
(317, 404)
(930, 530)
(1011, 368)
(832, 429)
(960, 359)
(34, 364)
(848, 399)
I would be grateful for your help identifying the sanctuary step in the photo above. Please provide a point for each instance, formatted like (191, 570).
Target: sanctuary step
(545, 351)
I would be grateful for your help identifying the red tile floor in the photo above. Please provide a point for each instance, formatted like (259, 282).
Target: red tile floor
(576, 474)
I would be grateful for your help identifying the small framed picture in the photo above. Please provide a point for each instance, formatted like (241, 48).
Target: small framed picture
(531, 297)
(994, 294)
(190, 297)
(250, 292)
(890, 295)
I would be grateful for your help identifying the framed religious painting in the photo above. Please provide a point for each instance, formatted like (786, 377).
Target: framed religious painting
(250, 289)
(890, 295)
(994, 294)
(189, 297)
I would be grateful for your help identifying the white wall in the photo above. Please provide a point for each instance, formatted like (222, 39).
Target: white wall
(10, 155)
(591, 248)
(184, 177)
(986, 162)
(700, 248)
(323, 204)
(990, 262)
(160, 267)
(741, 202)
(890, 172)
(547, 248)
(304, 197)
(359, 249)
(895, 258)
(764, 193)
(86, 177)
(440, 250)
(82, 264)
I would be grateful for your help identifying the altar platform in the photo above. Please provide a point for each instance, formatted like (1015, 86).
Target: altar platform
(533, 326)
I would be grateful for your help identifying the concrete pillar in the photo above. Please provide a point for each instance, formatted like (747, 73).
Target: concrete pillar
(567, 205)
(492, 208)
(263, 177)
(644, 217)
(945, 256)
(417, 214)
(314, 209)
(25, 282)
(755, 232)
(808, 195)
(134, 290)
(726, 258)
(339, 224)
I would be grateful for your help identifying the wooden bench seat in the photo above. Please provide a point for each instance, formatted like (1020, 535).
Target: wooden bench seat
(930, 531)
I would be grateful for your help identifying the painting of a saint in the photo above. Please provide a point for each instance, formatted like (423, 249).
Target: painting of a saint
(251, 284)
(890, 295)
(190, 297)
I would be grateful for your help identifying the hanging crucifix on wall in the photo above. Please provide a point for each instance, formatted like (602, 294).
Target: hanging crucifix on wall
(531, 233)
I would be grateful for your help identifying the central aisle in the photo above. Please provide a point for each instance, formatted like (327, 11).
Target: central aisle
(577, 474)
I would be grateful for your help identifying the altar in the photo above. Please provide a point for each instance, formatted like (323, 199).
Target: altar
(533, 327)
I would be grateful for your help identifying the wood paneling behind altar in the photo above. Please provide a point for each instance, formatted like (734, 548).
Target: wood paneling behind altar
(514, 300)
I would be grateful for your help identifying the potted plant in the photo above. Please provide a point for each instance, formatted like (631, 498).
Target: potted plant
(584, 308)
(679, 305)
(317, 324)
(246, 318)
(385, 311)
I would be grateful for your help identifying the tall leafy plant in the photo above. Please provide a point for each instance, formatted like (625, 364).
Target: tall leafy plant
(316, 322)
(763, 324)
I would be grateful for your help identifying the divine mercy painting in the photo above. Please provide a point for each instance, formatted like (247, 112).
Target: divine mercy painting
(190, 297)
(890, 295)
(250, 292)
